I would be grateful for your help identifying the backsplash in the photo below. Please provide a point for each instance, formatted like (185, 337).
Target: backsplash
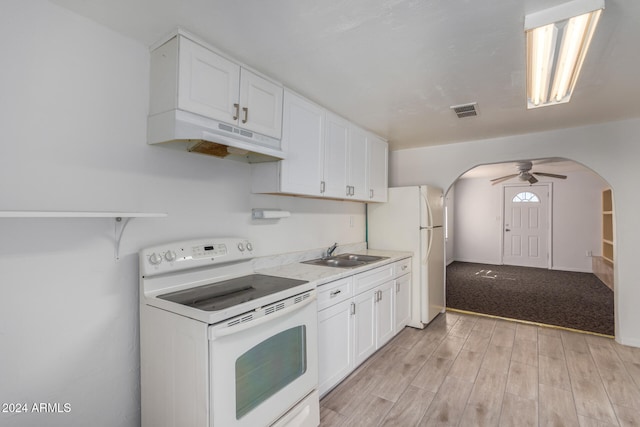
(293, 257)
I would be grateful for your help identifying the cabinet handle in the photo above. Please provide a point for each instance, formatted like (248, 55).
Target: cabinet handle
(371, 193)
(404, 267)
(321, 186)
(353, 308)
(348, 190)
(246, 114)
(334, 293)
(397, 287)
(237, 107)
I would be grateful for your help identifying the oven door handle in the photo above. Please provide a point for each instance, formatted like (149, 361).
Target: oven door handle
(223, 332)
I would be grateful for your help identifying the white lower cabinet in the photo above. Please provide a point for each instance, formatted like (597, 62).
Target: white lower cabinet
(374, 320)
(335, 332)
(403, 301)
(365, 326)
(335, 345)
(356, 316)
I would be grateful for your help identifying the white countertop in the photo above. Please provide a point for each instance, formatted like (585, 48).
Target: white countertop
(321, 274)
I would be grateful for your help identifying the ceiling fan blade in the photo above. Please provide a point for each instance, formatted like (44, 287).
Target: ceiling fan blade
(503, 178)
(532, 179)
(551, 175)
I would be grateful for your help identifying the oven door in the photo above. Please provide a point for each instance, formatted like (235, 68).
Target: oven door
(263, 363)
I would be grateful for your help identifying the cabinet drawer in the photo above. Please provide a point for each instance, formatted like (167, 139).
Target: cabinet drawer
(403, 267)
(372, 278)
(334, 292)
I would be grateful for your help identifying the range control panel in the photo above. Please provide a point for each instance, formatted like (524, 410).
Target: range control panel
(187, 254)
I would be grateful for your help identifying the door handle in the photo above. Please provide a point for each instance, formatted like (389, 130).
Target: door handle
(506, 229)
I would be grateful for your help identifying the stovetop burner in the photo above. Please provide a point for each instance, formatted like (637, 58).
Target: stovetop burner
(228, 293)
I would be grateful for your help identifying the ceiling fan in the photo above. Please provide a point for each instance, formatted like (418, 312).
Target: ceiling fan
(525, 174)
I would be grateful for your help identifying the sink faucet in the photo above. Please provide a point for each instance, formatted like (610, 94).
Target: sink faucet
(331, 249)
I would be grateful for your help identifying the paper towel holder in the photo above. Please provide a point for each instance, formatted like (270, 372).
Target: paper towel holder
(263, 213)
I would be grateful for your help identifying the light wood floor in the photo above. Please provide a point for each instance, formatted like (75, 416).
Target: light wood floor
(468, 370)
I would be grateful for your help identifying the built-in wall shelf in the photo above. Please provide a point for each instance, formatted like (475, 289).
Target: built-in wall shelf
(121, 219)
(603, 265)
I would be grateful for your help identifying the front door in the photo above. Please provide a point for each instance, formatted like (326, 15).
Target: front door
(526, 225)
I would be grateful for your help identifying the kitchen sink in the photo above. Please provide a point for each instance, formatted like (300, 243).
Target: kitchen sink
(365, 258)
(345, 260)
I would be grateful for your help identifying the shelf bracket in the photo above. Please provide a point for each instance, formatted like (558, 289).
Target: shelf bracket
(120, 225)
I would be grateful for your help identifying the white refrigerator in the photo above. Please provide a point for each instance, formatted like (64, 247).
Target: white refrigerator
(412, 220)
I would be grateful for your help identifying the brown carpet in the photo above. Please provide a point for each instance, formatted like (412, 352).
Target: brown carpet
(560, 298)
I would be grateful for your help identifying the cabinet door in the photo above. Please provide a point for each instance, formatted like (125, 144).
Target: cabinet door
(302, 140)
(260, 105)
(208, 84)
(365, 326)
(335, 345)
(385, 313)
(358, 164)
(403, 301)
(335, 156)
(377, 166)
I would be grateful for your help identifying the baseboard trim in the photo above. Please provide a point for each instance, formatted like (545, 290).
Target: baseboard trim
(571, 269)
(475, 261)
(631, 342)
(528, 322)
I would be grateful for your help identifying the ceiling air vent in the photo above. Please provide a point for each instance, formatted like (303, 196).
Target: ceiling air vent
(465, 110)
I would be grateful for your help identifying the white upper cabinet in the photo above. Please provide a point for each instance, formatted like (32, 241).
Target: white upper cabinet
(336, 158)
(302, 140)
(208, 84)
(377, 162)
(214, 87)
(345, 159)
(260, 104)
(358, 164)
(327, 156)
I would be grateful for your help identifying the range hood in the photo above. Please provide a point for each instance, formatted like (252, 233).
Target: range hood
(198, 134)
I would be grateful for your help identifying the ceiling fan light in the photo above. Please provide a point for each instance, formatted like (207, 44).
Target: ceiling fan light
(557, 42)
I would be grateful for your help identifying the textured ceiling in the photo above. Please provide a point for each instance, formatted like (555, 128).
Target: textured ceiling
(396, 66)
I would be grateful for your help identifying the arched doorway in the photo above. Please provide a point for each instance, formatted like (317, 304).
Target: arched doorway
(479, 238)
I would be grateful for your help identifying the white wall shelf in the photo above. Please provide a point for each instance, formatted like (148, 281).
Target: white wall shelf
(78, 214)
(121, 219)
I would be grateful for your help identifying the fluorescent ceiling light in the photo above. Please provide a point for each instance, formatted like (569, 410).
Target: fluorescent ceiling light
(557, 43)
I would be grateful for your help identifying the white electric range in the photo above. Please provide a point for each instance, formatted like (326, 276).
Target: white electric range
(222, 346)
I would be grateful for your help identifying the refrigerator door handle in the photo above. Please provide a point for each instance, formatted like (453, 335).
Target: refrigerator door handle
(428, 208)
(429, 244)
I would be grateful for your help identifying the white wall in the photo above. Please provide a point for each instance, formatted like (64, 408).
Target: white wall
(73, 116)
(576, 225)
(476, 220)
(611, 150)
(450, 204)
